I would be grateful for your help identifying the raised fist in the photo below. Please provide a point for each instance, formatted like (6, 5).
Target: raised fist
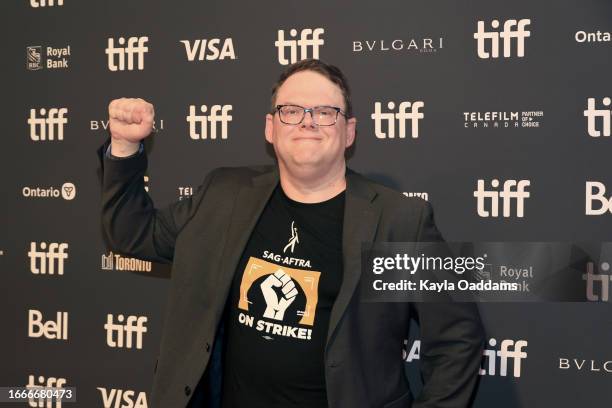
(130, 121)
(277, 305)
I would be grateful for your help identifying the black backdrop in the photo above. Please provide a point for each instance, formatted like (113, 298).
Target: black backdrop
(473, 128)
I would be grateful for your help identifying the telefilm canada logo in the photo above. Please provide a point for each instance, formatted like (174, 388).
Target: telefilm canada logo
(66, 191)
(184, 192)
(41, 57)
(514, 119)
(409, 45)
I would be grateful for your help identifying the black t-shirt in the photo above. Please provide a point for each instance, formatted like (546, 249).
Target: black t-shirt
(279, 306)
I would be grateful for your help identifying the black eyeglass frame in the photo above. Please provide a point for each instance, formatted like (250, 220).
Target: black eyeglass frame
(311, 110)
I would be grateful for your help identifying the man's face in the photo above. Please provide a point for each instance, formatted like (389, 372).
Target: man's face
(307, 147)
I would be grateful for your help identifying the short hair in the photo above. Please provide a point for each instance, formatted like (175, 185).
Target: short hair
(330, 72)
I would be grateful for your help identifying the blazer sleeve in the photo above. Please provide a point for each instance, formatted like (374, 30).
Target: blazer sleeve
(130, 222)
(452, 340)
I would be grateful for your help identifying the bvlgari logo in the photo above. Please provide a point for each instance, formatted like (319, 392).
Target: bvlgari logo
(294, 239)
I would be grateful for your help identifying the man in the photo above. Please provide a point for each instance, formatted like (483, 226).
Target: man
(268, 281)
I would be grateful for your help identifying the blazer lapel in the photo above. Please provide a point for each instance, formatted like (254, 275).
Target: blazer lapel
(361, 216)
(248, 206)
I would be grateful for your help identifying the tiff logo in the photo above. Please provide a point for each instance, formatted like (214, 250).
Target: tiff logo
(135, 45)
(133, 326)
(509, 349)
(45, 3)
(209, 49)
(595, 191)
(52, 329)
(45, 128)
(592, 114)
(512, 30)
(49, 259)
(308, 38)
(40, 382)
(122, 398)
(512, 190)
(402, 115)
(198, 124)
(605, 281)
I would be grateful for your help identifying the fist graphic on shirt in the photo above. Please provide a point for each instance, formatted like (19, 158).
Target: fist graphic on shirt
(277, 305)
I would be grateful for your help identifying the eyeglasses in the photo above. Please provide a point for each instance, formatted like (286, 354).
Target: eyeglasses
(321, 115)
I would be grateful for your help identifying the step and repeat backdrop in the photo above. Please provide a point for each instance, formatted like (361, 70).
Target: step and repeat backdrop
(497, 113)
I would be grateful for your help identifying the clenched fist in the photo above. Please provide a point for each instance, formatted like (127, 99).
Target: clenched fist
(130, 121)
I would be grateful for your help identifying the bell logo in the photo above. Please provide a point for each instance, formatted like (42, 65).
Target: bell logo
(45, 3)
(48, 262)
(592, 114)
(308, 38)
(605, 281)
(208, 50)
(37, 383)
(512, 29)
(595, 191)
(133, 326)
(402, 115)
(52, 330)
(513, 190)
(198, 124)
(115, 398)
(46, 128)
(135, 45)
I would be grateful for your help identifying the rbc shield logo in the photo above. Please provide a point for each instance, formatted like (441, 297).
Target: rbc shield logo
(34, 58)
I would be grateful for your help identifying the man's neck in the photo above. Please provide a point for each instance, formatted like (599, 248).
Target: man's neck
(313, 188)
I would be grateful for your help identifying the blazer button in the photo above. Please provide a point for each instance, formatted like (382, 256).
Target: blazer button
(187, 390)
(207, 347)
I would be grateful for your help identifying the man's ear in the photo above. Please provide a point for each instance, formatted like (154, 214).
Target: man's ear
(351, 126)
(269, 127)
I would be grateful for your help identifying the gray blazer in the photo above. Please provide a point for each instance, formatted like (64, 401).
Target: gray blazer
(204, 236)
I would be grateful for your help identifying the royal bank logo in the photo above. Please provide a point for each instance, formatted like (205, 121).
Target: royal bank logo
(211, 49)
(511, 198)
(38, 382)
(126, 333)
(206, 123)
(116, 262)
(385, 122)
(421, 194)
(114, 397)
(598, 282)
(34, 58)
(593, 37)
(406, 46)
(39, 57)
(47, 124)
(511, 39)
(46, 3)
(47, 259)
(503, 119)
(306, 46)
(598, 120)
(127, 54)
(67, 191)
(496, 359)
(596, 202)
(51, 329)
